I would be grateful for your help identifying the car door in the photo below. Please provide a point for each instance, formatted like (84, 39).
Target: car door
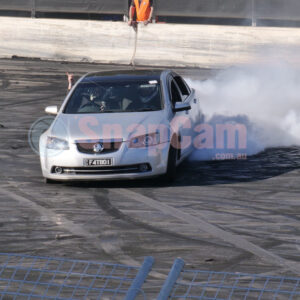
(182, 122)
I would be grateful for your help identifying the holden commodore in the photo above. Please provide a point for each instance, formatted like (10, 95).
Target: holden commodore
(120, 125)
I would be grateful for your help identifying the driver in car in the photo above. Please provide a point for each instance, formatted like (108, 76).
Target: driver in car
(147, 98)
(109, 98)
(91, 101)
(101, 99)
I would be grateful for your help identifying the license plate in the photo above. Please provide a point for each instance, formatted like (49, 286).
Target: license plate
(105, 162)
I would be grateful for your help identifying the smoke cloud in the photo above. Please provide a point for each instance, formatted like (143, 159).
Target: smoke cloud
(265, 99)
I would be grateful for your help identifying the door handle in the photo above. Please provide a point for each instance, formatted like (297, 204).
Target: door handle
(195, 100)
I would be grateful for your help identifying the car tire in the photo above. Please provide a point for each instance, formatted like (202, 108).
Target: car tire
(170, 175)
(49, 181)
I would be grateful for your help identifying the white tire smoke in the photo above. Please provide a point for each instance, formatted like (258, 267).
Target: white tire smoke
(266, 99)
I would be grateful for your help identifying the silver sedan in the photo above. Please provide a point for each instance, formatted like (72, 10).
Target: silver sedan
(120, 125)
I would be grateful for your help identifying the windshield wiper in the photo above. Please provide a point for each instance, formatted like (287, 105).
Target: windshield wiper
(109, 111)
(146, 109)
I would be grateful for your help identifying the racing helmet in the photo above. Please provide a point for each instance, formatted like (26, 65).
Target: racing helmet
(113, 94)
(147, 92)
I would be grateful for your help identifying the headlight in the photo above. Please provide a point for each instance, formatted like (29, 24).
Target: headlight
(144, 141)
(57, 144)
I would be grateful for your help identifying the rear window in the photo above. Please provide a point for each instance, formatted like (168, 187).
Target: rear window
(109, 97)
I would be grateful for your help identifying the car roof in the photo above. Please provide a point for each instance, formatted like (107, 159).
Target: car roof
(119, 75)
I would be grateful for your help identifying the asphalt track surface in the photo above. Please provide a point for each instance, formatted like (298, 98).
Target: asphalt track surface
(220, 215)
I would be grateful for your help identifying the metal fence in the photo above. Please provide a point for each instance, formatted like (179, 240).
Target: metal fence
(204, 8)
(67, 6)
(206, 285)
(29, 277)
(242, 9)
(33, 277)
(277, 9)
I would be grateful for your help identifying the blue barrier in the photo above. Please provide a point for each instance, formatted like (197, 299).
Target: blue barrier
(171, 279)
(29, 277)
(33, 277)
(207, 285)
(136, 286)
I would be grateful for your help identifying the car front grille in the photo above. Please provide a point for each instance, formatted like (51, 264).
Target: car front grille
(139, 168)
(109, 146)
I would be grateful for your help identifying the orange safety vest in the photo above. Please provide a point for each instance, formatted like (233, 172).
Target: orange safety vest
(142, 10)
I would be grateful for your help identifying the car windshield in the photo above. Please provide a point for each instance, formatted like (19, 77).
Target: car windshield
(109, 97)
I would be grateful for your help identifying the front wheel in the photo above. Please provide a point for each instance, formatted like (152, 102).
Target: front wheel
(171, 168)
(49, 181)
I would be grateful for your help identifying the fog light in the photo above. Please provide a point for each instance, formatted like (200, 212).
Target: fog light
(58, 170)
(144, 168)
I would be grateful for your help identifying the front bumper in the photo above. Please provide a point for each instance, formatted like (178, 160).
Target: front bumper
(126, 163)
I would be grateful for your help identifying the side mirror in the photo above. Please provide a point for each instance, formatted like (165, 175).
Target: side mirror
(179, 106)
(51, 110)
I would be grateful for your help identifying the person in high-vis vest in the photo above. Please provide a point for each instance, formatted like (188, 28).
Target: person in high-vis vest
(142, 10)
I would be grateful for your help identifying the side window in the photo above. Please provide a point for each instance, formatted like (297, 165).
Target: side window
(184, 89)
(175, 94)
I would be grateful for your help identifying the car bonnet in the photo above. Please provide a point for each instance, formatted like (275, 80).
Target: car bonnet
(107, 126)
